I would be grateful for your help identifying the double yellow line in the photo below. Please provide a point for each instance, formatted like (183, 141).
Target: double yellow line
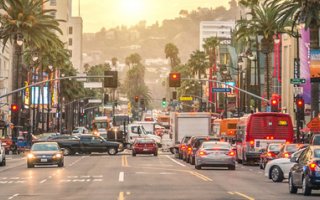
(124, 161)
(242, 195)
(203, 177)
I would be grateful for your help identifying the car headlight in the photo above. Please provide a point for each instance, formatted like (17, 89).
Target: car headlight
(58, 155)
(30, 156)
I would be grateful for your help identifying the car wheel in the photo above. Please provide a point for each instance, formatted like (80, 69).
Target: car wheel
(292, 189)
(180, 156)
(67, 152)
(112, 151)
(192, 160)
(232, 167)
(187, 159)
(306, 189)
(244, 162)
(61, 164)
(134, 154)
(155, 154)
(30, 165)
(197, 167)
(276, 174)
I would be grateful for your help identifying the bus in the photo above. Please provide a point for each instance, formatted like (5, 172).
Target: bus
(255, 131)
(228, 127)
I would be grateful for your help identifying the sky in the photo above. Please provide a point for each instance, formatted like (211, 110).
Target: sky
(111, 13)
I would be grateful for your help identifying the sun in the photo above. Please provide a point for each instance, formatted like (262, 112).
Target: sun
(132, 9)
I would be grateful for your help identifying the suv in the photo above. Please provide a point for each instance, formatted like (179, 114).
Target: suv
(193, 145)
(2, 155)
(315, 140)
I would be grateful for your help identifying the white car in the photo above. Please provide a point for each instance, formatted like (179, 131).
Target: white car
(80, 131)
(2, 155)
(278, 169)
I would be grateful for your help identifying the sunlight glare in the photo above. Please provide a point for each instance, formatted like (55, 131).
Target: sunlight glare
(132, 9)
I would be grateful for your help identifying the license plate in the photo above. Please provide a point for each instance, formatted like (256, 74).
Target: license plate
(44, 160)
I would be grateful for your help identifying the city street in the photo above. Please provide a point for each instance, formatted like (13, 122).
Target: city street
(100, 176)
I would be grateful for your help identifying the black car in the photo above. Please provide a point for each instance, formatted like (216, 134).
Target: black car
(305, 173)
(45, 153)
(193, 145)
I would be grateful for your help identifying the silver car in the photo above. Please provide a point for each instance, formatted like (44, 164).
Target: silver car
(215, 154)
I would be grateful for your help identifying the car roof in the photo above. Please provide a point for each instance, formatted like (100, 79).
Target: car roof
(46, 143)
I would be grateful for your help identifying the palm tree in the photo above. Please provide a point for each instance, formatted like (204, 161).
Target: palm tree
(306, 12)
(210, 45)
(172, 52)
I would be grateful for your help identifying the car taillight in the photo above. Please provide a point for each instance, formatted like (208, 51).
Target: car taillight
(286, 155)
(183, 147)
(271, 154)
(231, 153)
(313, 166)
(189, 149)
(251, 143)
(202, 153)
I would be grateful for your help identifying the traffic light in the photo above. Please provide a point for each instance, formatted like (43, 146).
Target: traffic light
(14, 108)
(274, 105)
(174, 79)
(300, 107)
(112, 80)
(136, 99)
(106, 99)
(164, 102)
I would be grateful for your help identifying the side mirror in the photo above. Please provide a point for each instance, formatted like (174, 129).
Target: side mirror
(294, 159)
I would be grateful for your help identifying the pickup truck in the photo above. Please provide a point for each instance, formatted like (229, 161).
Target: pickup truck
(88, 143)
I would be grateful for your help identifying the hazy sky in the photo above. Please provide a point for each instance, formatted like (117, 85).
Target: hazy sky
(111, 13)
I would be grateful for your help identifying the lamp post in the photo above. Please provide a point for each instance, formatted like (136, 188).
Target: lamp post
(50, 67)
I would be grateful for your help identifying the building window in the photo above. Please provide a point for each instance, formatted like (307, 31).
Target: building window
(70, 41)
(70, 30)
(53, 2)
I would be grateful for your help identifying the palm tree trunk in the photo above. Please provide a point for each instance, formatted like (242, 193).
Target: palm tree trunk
(258, 74)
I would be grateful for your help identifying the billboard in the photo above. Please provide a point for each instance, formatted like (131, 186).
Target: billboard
(315, 65)
(36, 93)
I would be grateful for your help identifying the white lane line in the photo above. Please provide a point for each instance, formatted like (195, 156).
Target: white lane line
(175, 161)
(121, 176)
(44, 180)
(13, 196)
(82, 157)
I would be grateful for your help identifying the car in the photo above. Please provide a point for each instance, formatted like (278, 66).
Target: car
(215, 154)
(45, 153)
(62, 137)
(80, 130)
(194, 144)
(182, 146)
(278, 169)
(144, 146)
(269, 153)
(287, 149)
(2, 155)
(315, 140)
(305, 173)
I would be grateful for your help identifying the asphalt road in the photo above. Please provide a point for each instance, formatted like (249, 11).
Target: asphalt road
(101, 177)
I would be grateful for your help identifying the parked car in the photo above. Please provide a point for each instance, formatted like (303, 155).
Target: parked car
(2, 155)
(215, 154)
(45, 153)
(278, 169)
(144, 146)
(271, 152)
(182, 146)
(305, 173)
(194, 144)
(288, 149)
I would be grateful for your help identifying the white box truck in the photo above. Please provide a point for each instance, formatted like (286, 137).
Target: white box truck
(188, 124)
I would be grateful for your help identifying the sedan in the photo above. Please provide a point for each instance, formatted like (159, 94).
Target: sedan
(270, 153)
(144, 146)
(287, 149)
(45, 153)
(305, 173)
(278, 169)
(215, 154)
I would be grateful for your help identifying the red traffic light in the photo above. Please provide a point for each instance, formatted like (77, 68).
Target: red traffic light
(274, 102)
(14, 108)
(136, 99)
(300, 102)
(174, 79)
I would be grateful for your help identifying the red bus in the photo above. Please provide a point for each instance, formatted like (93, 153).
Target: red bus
(255, 131)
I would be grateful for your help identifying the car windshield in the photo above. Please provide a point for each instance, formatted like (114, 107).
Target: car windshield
(317, 153)
(274, 147)
(292, 147)
(209, 145)
(44, 147)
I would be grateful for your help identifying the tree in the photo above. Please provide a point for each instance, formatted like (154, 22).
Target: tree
(133, 59)
(308, 13)
(171, 51)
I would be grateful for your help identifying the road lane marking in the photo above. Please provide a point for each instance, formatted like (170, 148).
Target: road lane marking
(231, 193)
(82, 157)
(175, 161)
(124, 161)
(201, 176)
(13, 196)
(121, 196)
(44, 180)
(121, 176)
(243, 195)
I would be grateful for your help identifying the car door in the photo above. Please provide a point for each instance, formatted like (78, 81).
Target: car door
(98, 144)
(298, 168)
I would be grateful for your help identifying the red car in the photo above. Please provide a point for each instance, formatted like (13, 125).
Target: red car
(144, 146)
(288, 149)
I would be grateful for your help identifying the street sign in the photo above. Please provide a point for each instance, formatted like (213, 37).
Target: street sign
(92, 84)
(297, 81)
(221, 89)
(185, 98)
